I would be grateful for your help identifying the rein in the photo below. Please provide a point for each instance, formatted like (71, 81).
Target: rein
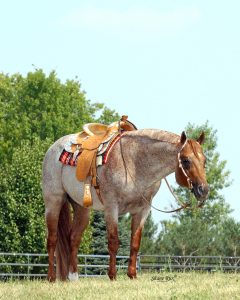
(182, 205)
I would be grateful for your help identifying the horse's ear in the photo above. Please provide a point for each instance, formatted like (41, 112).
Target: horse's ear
(183, 137)
(201, 138)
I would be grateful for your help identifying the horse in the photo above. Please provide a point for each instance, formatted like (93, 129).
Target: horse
(127, 182)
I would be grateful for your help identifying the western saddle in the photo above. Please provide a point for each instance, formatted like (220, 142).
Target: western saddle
(88, 142)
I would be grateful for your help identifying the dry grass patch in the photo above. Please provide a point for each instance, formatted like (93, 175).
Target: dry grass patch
(148, 286)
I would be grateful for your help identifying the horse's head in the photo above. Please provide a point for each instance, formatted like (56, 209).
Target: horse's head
(190, 172)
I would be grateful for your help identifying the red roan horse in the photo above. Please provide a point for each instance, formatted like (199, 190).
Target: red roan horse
(149, 155)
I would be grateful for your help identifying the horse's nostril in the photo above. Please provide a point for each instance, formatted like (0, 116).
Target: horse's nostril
(201, 189)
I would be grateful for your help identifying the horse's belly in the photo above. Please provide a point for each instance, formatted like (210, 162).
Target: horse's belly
(133, 206)
(75, 188)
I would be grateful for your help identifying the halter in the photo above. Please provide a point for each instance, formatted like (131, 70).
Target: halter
(189, 181)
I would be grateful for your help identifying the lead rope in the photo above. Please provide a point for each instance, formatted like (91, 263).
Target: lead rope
(183, 205)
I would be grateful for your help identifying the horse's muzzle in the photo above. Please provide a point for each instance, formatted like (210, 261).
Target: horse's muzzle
(200, 191)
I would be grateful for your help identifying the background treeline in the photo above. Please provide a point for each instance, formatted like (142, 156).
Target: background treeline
(37, 109)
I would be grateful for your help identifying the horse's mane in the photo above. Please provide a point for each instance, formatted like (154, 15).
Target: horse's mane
(156, 134)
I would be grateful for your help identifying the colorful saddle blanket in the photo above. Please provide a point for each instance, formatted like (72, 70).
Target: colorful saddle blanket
(68, 157)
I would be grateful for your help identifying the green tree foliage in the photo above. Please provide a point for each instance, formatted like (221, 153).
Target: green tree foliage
(99, 237)
(198, 231)
(21, 204)
(34, 112)
(108, 115)
(42, 106)
(229, 236)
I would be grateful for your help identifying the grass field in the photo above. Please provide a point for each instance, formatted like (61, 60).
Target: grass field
(148, 286)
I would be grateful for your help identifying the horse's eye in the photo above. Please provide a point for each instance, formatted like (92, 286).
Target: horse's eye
(186, 163)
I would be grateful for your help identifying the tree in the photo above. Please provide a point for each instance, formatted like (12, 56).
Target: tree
(196, 231)
(108, 115)
(230, 237)
(42, 106)
(99, 238)
(21, 205)
(34, 111)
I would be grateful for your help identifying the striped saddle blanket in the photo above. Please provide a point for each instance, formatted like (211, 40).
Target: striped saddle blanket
(68, 157)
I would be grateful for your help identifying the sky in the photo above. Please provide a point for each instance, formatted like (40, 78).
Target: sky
(162, 63)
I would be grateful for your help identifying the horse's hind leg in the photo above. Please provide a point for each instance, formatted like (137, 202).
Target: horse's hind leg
(52, 217)
(80, 223)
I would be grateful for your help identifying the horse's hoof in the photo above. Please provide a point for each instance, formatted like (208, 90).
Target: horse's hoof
(51, 278)
(73, 276)
(112, 277)
(132, 276)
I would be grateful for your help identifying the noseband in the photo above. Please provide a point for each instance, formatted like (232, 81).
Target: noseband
(189, 181)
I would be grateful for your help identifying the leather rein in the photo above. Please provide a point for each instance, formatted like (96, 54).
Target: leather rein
(182, 205)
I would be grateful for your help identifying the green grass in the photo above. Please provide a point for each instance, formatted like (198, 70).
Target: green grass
(148, 286)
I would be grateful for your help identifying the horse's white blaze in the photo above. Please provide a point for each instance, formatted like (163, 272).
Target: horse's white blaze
(73, 276)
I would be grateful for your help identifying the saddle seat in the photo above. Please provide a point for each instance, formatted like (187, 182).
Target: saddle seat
(95, 129)
(88, 142)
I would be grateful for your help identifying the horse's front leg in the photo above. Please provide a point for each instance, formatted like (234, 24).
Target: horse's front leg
(113, 243)
(136, 234)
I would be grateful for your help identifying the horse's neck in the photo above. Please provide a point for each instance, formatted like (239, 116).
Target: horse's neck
(153, 158)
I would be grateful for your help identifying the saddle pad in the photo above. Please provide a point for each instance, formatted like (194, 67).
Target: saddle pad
(109, 148)
(69, 158)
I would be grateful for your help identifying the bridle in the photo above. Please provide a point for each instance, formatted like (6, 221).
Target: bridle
(189, 181)
(180, 165)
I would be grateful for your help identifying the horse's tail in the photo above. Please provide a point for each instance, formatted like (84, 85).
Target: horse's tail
(63, 242)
